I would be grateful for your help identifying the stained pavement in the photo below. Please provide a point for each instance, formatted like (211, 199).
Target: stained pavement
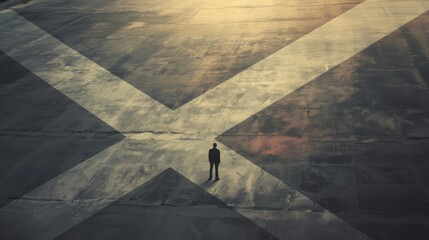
(170, 202)
(177, 50)
(355, 139)
(47, 136)
(342, 171)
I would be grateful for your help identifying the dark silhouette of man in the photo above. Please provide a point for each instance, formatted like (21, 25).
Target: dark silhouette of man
(214, 159)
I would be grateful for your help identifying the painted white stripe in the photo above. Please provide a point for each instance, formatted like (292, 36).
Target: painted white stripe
(295, 65)
(108, 97)
(131, 162)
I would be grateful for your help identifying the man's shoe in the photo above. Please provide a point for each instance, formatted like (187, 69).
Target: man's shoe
(217, 179)
(210, 178)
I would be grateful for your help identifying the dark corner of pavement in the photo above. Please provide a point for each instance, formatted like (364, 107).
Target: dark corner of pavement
(11, 3)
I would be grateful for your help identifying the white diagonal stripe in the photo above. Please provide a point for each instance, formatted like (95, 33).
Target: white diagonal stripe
(295, 65)
(108, 97)
(126, 109)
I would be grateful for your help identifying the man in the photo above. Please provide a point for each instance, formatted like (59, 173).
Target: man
(214, 158)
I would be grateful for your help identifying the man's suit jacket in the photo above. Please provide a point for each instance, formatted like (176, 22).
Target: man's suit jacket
(214, 155)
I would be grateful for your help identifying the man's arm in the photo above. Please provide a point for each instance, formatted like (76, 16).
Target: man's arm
(218, 155)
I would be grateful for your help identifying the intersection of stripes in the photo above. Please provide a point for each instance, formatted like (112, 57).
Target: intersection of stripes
(179, 139)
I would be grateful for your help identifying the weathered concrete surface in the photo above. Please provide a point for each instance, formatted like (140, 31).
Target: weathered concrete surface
(355, 140)
(43, 133)
(167, 207)
(159, 138)
(177, 50)
(11, 3)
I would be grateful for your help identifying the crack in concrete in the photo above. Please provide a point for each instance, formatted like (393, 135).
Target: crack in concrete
(37, 199)
(162, 204)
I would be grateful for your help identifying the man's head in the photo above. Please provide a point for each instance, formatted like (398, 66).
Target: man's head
(214, 145)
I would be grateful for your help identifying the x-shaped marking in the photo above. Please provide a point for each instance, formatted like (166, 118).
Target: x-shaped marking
(158, 138)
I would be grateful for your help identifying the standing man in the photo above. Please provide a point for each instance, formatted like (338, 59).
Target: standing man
(214, 158)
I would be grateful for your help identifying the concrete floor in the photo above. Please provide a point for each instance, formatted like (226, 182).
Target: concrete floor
(319, 108)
